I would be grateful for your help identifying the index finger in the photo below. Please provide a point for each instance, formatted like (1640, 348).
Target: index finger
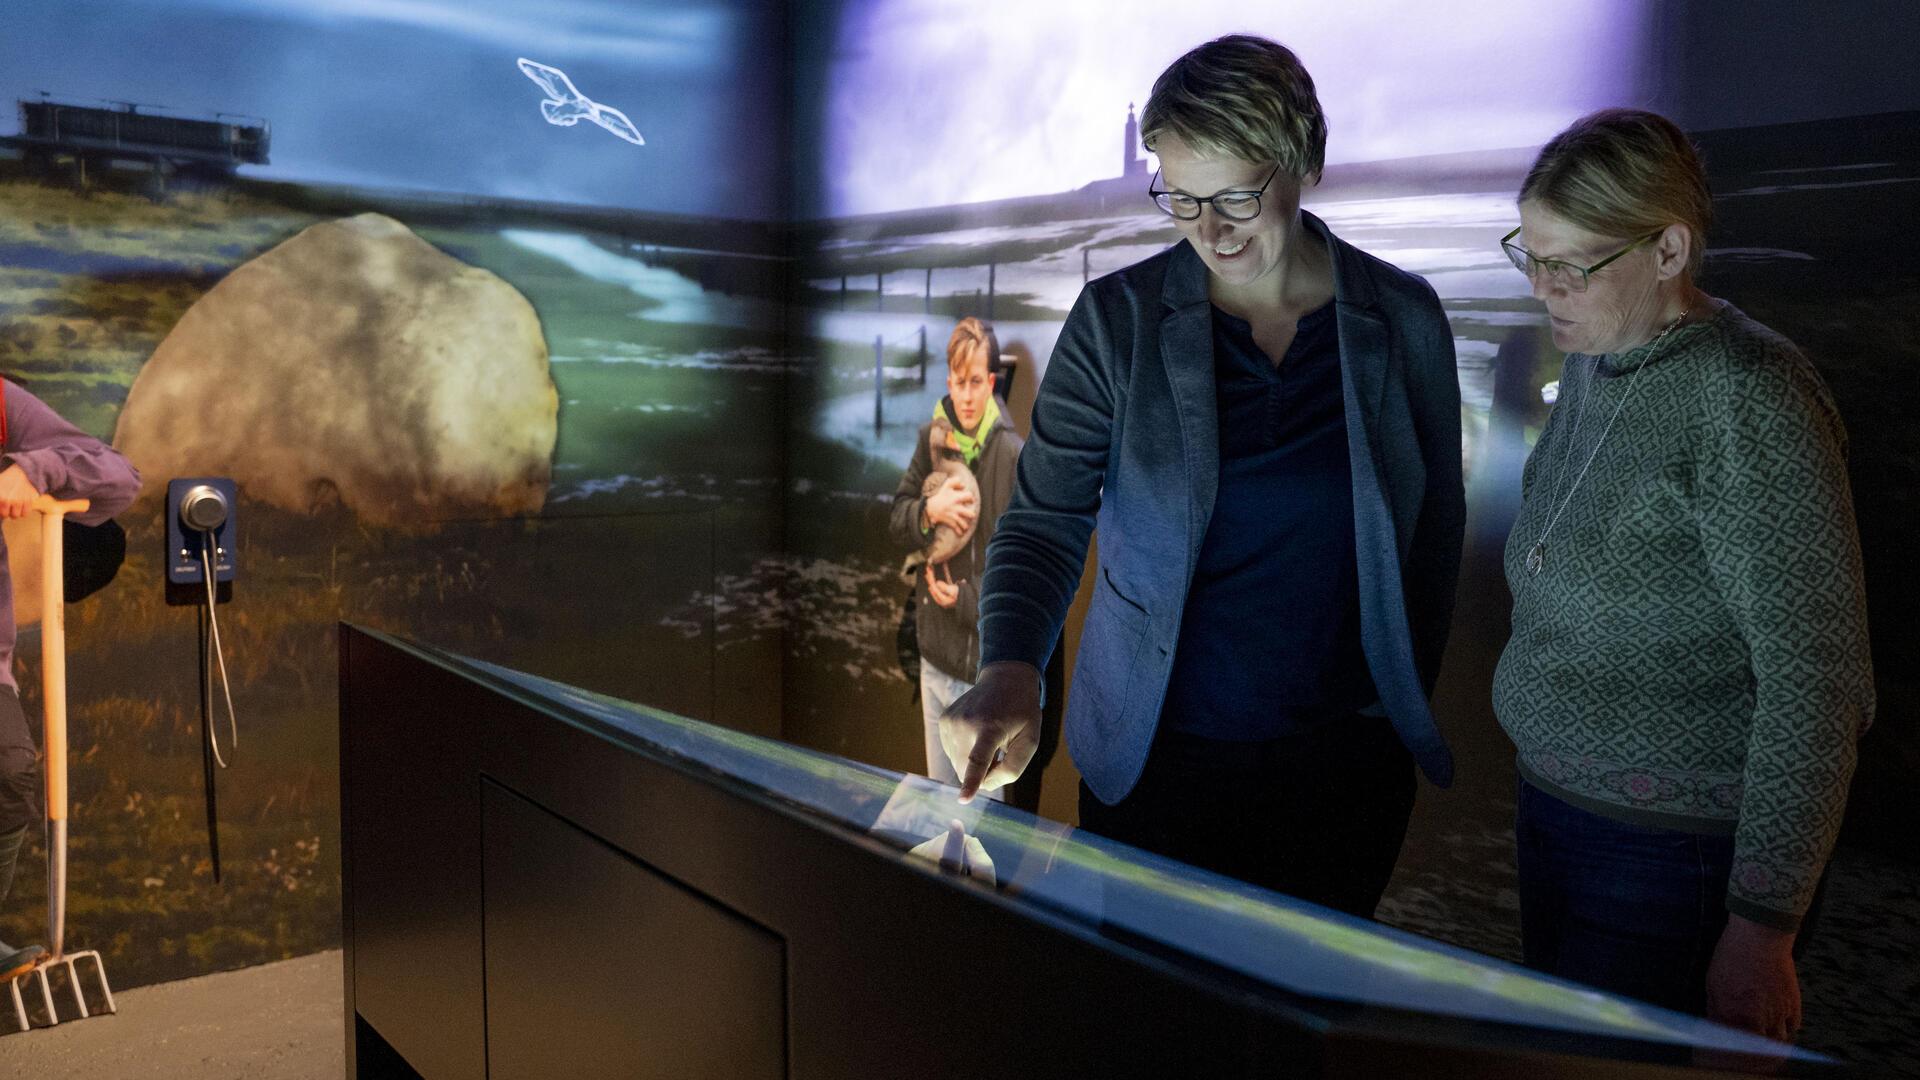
(980, 761)
(953, 853)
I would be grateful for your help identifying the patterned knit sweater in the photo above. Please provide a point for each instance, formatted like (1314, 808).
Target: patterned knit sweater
(1692, 653)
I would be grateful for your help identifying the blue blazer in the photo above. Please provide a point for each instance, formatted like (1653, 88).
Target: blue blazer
(1125, 436)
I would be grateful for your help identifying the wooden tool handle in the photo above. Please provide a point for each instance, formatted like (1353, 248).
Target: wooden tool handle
(47, 504)
(53, 674)
(53, 644)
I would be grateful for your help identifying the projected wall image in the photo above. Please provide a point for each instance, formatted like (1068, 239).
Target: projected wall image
(592, 339)
(985, 164)
(1031, 180)
(494, 359)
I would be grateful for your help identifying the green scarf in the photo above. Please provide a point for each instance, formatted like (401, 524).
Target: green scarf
(969, 445)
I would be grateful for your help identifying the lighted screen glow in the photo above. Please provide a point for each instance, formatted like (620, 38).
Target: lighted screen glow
(1110, 887)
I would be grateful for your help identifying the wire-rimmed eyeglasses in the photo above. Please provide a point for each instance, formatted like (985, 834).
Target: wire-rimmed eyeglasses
(1559, 271)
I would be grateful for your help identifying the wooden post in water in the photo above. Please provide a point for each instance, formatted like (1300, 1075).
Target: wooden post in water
(1086, 265)
(923, 354)
(879, 381)
(990, 269)
(929, 302)
(843, 292)
(879, 290)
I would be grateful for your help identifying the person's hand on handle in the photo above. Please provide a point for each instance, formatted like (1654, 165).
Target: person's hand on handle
(1751, 982)
(991, 733)
(943, 589)
(952, 505)
(16, 492)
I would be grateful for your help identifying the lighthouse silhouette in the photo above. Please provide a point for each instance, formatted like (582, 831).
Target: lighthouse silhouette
(1131, 163)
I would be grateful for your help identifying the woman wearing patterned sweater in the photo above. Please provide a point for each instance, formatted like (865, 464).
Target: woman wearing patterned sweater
(1688, 671)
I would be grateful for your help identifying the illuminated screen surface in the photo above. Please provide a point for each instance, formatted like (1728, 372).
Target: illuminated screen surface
(1113, 889)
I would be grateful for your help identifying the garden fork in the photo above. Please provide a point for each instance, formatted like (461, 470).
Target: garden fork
(53, 674)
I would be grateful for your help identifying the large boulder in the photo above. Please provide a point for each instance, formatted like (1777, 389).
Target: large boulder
(354, 362)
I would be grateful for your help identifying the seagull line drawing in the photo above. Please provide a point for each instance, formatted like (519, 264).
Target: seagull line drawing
(566, 106)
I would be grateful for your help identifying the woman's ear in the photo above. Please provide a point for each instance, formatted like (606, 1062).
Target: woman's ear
(1672, 250)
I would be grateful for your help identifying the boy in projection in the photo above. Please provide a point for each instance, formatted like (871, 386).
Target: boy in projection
(43, 454)
(953, 491)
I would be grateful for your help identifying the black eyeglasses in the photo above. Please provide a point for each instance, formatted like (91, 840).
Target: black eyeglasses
(1232, 205)
(1567, 275)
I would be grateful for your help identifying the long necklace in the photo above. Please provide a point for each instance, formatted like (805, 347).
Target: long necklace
(1537, 555)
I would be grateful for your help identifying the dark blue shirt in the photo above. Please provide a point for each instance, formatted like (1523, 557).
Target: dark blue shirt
(1270, 642)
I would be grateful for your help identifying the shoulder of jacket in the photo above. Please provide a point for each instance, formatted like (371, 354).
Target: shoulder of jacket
(1402, 289)
(1144, 278)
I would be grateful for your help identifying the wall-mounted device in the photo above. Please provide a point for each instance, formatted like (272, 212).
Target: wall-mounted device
(201, 559)
(201, 530)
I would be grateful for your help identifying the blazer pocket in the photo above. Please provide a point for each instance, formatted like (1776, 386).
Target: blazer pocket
(1108, 664)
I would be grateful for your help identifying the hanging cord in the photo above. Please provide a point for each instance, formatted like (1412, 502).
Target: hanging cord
(213, 624)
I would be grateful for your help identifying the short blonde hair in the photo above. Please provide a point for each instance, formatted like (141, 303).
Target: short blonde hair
(971, 338)
(1625, 173)
(1242, 97)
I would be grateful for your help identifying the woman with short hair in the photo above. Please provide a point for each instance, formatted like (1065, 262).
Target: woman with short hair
(1688, 671)
(1264, 423)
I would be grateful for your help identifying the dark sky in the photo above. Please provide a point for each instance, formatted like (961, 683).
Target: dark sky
(425, 93)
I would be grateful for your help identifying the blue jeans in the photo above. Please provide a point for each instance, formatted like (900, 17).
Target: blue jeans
(1631, 909)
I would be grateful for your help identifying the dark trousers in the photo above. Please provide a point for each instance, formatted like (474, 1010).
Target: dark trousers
(1632, 909)
(1319, 815)
(19, 783)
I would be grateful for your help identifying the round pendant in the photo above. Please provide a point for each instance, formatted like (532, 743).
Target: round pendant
(1537, 557)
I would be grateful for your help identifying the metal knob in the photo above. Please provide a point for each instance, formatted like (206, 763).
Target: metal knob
(203, 507)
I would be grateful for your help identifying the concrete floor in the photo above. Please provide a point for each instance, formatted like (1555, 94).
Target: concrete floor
(273, 1022)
